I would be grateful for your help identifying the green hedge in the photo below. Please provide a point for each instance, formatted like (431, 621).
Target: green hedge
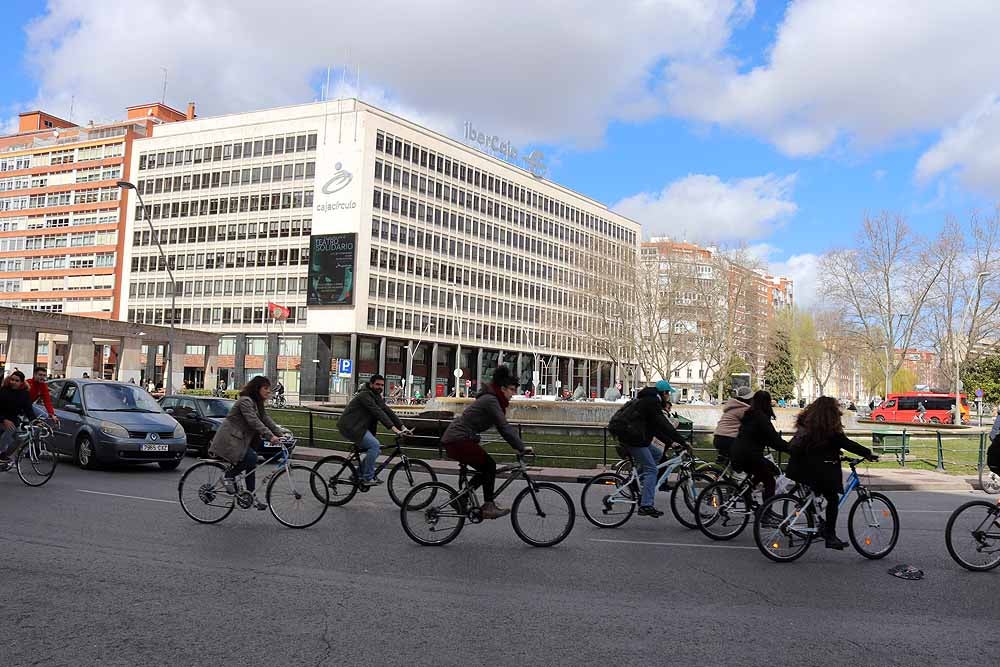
(229, 393)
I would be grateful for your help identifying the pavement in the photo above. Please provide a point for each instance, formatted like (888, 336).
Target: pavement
(877, 479)
(103, 568)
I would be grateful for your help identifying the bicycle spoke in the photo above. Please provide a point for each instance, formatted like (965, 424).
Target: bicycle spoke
(973, 535)
(544, 516)
(295, 496)
(432, 514)
(202, 493)
(873, 526)
(35, 464)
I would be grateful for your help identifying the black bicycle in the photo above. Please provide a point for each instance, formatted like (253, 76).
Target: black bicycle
(342, 480)
(725, 507)
(973, 535)
(433, 513)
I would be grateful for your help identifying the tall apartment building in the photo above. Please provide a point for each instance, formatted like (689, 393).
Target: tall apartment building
(385, 241)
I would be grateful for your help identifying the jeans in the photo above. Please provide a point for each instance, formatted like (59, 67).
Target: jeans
(7, 440)
(369, 444)
(249, 462)
(645, 459)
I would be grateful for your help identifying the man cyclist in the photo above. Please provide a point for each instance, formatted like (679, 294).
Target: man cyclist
(14, 402)
(921, 412)
(279, 393)
(37, 388)
(359, 423)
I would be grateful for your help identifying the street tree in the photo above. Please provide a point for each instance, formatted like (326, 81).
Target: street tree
(984, 373)
(779, 372)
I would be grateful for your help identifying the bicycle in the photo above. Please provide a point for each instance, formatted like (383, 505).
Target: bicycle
(32, 459)
(801, 521)
(278, 401)
(340, 475)
(724, 508)
(975, 526)
(610, 509)
(434, 513)
(293, 495)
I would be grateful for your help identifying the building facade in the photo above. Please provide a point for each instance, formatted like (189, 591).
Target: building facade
(385, 244)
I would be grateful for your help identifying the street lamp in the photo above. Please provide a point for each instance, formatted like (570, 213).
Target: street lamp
(168, 381)
(409, 359)
(980, 279)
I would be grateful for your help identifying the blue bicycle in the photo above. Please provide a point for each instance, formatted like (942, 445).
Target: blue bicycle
(786, 524)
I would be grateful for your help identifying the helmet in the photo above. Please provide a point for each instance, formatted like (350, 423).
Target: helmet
(663, 386)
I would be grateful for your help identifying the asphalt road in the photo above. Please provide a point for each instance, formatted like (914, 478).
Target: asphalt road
(128, 579)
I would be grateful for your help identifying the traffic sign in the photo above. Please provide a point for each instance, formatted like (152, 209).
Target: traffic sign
(979, 393)
(458, 372)
(345, 368)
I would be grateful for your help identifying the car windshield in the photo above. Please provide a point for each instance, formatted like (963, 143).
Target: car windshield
(217, 407)
(118, 398)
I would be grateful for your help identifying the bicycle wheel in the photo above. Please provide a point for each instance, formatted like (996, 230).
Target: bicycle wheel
(430, 516)
(608, 500)
(296, 496)
(623, 468)
(405, 476)
(35, 464)
(202, 494)
(340, 478)
(721, 511)
(684, 498)
(874, 529)
(973, 535)
(543, 518)
(782, 530)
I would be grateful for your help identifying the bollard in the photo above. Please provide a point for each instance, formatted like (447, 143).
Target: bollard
(982, 449)
(902, 454)
(604, 433)
(940, 454)
(312, 441)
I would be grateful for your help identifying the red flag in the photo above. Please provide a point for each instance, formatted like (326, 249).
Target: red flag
(278, 312)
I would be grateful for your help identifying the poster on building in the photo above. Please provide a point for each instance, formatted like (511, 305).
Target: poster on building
(331, 270)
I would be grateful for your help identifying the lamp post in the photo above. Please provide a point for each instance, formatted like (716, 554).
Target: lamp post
(168, 380)
(980, 279)
(409, 359)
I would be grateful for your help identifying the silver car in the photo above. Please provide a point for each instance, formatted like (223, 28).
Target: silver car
(113, 422)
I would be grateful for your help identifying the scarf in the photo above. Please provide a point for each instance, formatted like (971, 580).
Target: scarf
(498, 392)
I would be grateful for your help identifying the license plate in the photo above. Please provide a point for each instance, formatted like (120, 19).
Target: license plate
(154, 448)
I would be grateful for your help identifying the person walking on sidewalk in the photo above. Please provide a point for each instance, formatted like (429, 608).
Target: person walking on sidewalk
(461, 439)
(359, 424)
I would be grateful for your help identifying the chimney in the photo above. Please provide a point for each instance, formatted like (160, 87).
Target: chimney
(190, 111)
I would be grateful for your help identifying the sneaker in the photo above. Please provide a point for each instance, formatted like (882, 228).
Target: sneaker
(649, 510)
(369, 483)
(834, 542)
(259, 505)
(492, 511)
(229, 485)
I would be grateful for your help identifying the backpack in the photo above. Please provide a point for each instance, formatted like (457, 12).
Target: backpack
(624, 424)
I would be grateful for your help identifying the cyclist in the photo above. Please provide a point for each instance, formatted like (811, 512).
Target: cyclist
(279, 393)
(646, 420)
(728, 426)
(921, 412)
(815, 458)
(14, 402)
(37, 388)
(359, 423)
(461, 438)
(246, 423)
(756, 432)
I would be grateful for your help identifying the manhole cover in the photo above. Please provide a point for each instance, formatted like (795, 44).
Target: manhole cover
(907, 572)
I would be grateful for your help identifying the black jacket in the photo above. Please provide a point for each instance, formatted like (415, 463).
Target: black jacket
(651, 421)
(817, 465)
(756, 433)
(364, 413)
(14, 402)
(484, 413)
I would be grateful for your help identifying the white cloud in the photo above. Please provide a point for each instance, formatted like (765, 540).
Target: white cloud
(705, 209)
(804, 271)
(551, 71)
(858, 70)
(971, 147)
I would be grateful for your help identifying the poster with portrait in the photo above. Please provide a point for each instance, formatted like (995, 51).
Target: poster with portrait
(331, 270)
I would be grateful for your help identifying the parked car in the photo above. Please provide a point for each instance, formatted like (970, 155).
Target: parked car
(201, 417)
(113, 422)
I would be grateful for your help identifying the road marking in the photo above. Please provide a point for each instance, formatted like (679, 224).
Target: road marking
(672, 544)
(925, 511)
(119, 495)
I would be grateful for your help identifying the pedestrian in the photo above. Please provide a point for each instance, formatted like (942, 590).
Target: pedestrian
(359, 424)
(86, 375)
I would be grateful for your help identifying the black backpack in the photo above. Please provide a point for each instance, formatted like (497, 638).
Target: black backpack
(624, 424)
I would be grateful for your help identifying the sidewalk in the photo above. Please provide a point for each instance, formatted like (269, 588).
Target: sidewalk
(876, 479)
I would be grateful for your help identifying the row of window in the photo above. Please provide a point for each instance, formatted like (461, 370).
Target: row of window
(293, 171)
(428, 159)
(442, 297)
(58, 241)
(220, 287)
(69, 305)
(99, 260)
(283, 257)
(66, 283)
(59, 220)
(67, 155)
(256, 346)
(229, 151)
(214, 315)
(90, 196)
(228, 205)
(233, 232)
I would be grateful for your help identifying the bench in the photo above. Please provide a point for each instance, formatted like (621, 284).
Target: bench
(896, 443)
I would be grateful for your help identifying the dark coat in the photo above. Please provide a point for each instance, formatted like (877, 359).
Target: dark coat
(756, 433)
(651, 422)
(245, 424)
(364, 413)
(15, 402)
(484, 413)
(817, 464)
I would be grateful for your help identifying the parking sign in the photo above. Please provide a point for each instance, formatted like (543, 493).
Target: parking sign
(345, 368)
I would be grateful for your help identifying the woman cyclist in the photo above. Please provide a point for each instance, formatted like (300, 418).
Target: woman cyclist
(756, 432)
(815, 458)
(461, 439)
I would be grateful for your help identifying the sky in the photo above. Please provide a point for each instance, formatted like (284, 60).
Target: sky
(777, 126)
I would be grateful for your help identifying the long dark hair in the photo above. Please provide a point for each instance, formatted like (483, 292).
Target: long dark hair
(253, 387)
(761, 401)
(819, 421)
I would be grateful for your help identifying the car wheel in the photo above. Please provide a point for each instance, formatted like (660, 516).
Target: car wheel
(935, 420)
(880, 418)
(86, 455)
(169, 465)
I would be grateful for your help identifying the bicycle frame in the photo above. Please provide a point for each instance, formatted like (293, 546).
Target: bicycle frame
(681, 460)
(35, 440)
(465, 489)
(397, 452)
(286, 448)
(810, 505)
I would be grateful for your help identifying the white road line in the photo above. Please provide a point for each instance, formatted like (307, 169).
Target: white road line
(672, 544)
(119, 495)
(925, 511)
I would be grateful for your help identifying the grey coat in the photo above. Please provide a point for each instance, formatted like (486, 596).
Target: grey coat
(243, 426)
(484, 413)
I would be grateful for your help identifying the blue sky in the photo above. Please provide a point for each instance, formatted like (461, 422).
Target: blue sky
(769, 124)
